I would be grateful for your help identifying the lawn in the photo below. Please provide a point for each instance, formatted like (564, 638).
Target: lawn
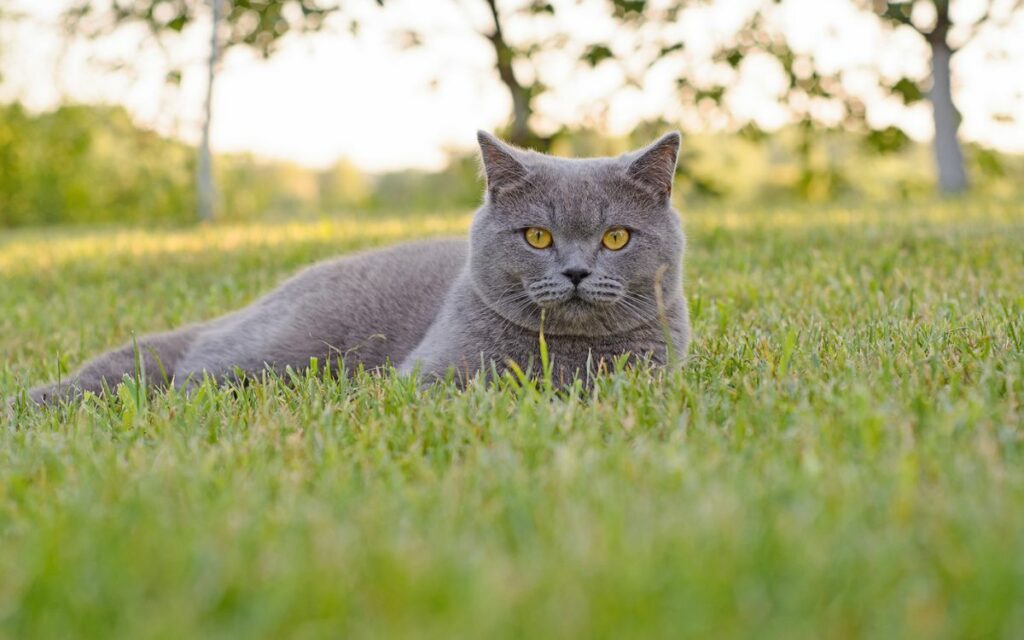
(843, 455)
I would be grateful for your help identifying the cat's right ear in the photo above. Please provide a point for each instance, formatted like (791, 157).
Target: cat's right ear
(501, 167)
(655, 165)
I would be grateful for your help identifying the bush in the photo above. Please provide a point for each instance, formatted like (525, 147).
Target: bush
(89, 164)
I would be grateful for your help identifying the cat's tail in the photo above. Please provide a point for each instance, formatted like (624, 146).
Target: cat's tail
(153, 357)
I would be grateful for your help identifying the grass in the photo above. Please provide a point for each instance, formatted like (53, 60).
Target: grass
(842, 457)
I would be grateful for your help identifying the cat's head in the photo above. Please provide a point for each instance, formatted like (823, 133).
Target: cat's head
(586, 240)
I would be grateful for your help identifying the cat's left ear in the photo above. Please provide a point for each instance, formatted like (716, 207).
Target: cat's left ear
(655, 165)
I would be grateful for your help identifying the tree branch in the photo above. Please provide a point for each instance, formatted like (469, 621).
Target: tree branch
(897, 13)
(521, 109)
(940, 32)
(502, 50)
(496, 34)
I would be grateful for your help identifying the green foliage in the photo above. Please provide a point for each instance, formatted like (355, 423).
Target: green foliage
(908, 90)
(798, 164)
(518, 58)
(595, 54)
(251, 187)
(89, 164)
(843, 455)
(541, 6)
(816, 96)
(897, 12)
(85, 164)
(458, 185)
(259, 24)
(887, 140)
(344, 187)
(628, 8)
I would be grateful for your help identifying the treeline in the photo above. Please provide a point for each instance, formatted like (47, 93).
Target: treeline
(92, 164)
(89, 164)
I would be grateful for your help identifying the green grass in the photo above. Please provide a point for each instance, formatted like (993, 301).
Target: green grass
(842, 457)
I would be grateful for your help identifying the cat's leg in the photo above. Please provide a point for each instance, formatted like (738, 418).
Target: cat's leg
(272, 335)
(157, 354)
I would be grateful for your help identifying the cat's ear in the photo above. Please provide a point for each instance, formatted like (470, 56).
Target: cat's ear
(655, 165)
(501, 167)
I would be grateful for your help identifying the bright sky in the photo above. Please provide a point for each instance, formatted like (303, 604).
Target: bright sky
(330, 95)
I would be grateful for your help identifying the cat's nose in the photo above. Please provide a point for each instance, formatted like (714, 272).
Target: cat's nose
(576, 275)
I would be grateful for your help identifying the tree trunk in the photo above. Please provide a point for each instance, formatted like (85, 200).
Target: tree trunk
(949, 158)
(519, 133)
(206, 190)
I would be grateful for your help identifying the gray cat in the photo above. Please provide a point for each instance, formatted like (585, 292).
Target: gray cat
(590, 247)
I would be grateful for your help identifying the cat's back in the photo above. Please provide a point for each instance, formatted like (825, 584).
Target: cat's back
(381, 300)
(428, 263)
(403, 278)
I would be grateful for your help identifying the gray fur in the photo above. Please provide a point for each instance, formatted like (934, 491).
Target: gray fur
(440, 306)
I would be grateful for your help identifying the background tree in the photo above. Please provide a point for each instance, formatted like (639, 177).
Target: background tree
(257, 24)
(706, 82)
(520, 132)
(516, 62)
(934, 21)
(816, 100)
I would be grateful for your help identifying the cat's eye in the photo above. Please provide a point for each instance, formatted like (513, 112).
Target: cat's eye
(615, 238)
(538, 238)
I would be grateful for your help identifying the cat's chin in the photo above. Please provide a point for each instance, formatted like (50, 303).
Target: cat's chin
(577, 300)
(576, 315)
(572, 305)
(577, 305)
(599, 301)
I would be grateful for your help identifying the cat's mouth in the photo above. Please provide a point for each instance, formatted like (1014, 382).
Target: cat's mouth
(576, 299)
(573, 300)
(600, 308)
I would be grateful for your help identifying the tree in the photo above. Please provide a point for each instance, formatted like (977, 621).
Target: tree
(510, 58)
(257, 24)
(706, 86)
(520, 132)
(944, 37)
(206, 189)
(810, 92)
(507, 56)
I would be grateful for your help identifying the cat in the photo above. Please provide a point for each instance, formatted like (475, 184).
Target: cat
(590, 250)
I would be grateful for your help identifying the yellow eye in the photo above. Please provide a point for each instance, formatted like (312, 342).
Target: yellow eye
(615, 238)
(538, 238)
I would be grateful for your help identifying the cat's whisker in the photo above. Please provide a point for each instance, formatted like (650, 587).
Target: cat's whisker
(637, 307)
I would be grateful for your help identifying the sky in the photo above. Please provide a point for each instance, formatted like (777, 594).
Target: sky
(331, 95)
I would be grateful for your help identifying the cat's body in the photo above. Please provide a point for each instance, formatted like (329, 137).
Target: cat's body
(445, 306)
(370, 308)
